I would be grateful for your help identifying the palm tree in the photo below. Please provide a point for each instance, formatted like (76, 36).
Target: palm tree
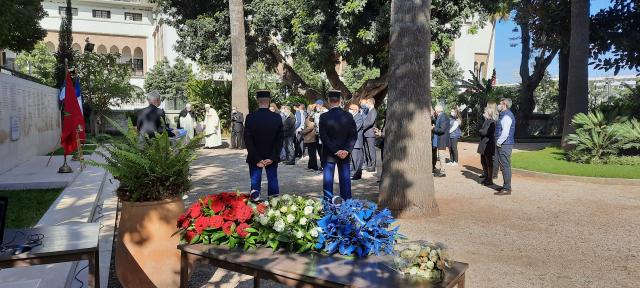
(578, 80)
(239, 90)
(407, 182)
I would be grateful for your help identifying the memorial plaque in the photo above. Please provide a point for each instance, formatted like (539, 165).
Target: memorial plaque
(15, 128)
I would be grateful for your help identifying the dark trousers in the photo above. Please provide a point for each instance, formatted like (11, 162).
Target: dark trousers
(313, 160)
(453, 150)
(289, 149)
(487, 166)
(255, 173)
(299, 146)
(357, 159)
(496, 162)
(343, 176)
(504, 153)
(319, 147)
(237, 141)
(370, 153)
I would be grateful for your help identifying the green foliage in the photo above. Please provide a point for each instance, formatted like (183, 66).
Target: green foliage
(26, 207)
(65, 54)
(20, 24)
(105, 81)
(355, 75)
(39, 63)
(215, 93)
(614, 35)
(446, 77)
(170, 81)
(149, 169)
(313, 78)
(625, 101)
(546, 95)
(597, 138)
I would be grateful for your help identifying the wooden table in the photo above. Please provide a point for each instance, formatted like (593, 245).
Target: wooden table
(63, 243)
(310, 270)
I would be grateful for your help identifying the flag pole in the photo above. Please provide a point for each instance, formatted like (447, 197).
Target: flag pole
(65, 168)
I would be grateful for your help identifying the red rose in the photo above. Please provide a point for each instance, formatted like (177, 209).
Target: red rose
(261, 208)
(216, 221)
(201, 224)
(195, 211)
(217, 205)
(241, 229)
(189, 235)
(226, 227)
(244, 213)
(185, 224)
(229, 214)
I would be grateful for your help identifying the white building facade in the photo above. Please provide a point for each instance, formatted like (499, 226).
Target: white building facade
(475, 51)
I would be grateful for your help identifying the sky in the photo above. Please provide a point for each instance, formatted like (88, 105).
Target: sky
(507, 58)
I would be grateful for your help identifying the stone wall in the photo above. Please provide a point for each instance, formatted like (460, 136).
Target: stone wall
(29, 120)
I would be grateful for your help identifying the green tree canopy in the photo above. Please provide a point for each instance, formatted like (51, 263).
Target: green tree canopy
(615, 34)
(170, 81)
(20, 24)
(39, 63)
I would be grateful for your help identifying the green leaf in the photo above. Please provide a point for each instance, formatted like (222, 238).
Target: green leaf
(195, 239)
(251, 230)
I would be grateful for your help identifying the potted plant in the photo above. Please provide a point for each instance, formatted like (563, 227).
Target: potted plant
(153, 175)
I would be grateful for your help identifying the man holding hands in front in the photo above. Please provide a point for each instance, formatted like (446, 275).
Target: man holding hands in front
(339, 135)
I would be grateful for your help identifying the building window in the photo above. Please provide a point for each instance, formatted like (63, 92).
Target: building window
(138, 67)
(62, 11)
(132, 16)
(102, 14)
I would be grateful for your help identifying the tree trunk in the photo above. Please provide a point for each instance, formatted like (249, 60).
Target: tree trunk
(407, 181)
(578, 80)
(239, 88)
(289, 76)
(372, 88)
(334, 78)
(526, 104)
(563, 75)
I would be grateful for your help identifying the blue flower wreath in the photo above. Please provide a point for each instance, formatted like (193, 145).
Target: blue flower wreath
(357, 228)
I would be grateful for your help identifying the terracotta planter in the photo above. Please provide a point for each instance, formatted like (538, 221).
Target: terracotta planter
(146, 253)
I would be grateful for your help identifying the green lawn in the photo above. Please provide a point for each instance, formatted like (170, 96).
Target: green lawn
(551, 160)
(26, 207)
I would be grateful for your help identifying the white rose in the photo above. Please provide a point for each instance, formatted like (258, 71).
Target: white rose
(277, 214)
(278, 226)
(270, 213)
(313, 233)
(308, 210)
(293, 208)
(309, 202)
(299, 234)
(430, 265)
(274, 201)
(303, 221)
(284, 209)
(286, 197)
(290, 218)
(263, 220)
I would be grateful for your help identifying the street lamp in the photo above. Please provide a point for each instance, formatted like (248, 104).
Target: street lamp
(88, 46)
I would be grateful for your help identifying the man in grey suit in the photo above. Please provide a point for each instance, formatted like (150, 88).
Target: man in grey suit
(357, 155)
(369, 109)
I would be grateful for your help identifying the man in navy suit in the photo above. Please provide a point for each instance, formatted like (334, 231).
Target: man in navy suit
(263, 138)
(357, 155)
(339, 135)
(369, 110)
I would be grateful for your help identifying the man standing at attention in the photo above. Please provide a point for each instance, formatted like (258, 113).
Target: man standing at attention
(237, 129)
(357, 155)
(289, 134)
(301, 117)
(369, 109)
(339, 135)
(263, 139)
(505, 139)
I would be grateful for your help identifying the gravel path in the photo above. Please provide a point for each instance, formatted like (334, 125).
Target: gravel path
(546, 234)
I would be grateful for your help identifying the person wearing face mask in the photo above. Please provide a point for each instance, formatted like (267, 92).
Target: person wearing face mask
(454, 134)
(237, 129)
(369, 110)
(320, 109)
(505, 139)
(440, 139)
(357, 155)
(187, 122)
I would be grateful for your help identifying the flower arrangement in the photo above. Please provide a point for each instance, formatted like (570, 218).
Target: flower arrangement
(357, 228)
(289, 222)
(422, 259)
(223, 218)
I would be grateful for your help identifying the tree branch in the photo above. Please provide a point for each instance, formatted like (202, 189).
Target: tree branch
(372, 88)
(334, 78)
(289, 75)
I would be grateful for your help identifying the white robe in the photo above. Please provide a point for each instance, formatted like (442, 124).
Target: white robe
(188, 124)
(213, 136)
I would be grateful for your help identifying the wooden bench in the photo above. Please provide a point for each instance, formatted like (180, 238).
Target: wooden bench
(310, 270)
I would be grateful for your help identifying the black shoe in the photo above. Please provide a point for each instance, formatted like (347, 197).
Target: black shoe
(356, 178)
(482, 176)
(487, 183)
(371, 170)
(503, 192)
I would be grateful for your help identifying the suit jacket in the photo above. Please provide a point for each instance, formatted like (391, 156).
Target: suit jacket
(263, 136)
(289, 126)
(370, 122)
(487, 145)
(441, 131)
(359, 119)
(309, 131)
(338, 132)
(151, 120)
(237, 122)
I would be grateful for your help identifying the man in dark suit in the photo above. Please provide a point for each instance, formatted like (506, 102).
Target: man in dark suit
(151, 120)
(263, 139)
(357, 155)
(339, 135)
(289, 134)
(440, 139)
(369, 109)
(237, 129)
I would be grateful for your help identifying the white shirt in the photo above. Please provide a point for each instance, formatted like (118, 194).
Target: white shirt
(455, 126)
(506, 126)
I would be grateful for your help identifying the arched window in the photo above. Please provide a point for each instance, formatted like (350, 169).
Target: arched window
(114, 50)
(126, 55)
(102, 49)
(475, 67)
(76, 47)
(138, 62)
(51, 47)
(482, 71)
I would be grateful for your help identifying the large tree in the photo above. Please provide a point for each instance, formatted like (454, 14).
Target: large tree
(170, 81)
(407, 182)
(39, 63)
(65, 54)
(239, 91)
(615, 34)
(20, 24)
(578, 81)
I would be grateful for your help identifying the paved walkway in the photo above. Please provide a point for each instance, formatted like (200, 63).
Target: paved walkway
(548, 233)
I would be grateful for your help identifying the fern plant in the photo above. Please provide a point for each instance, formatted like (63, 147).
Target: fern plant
(149, 169)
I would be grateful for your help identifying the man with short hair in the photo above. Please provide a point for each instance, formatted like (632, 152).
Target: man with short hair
(369, 110)
(301, 116)
(237, 129)
(339, 135)
(289, 134)
(440, 139)
(263, 139)
(505, 139)
(151, 120)
(357, 155)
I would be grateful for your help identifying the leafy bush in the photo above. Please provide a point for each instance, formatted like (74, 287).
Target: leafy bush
(624, 160)
(149, 169)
